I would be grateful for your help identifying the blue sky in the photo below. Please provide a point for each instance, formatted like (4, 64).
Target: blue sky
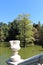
(9, 9)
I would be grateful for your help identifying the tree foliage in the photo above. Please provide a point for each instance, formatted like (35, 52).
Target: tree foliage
(22, 29)
(3, 31)
(13, 30)
(38, 33)
(25, 27)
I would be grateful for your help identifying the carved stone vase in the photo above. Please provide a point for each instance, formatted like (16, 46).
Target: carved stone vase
(15, 59)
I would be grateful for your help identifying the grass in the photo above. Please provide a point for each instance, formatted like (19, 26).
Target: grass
(6, 53)
(30, 51)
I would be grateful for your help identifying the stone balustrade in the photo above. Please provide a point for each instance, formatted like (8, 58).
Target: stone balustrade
(35, 60)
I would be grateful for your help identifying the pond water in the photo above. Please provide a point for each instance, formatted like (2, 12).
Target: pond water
(5, 53)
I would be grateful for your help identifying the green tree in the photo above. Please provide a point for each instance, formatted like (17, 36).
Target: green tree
(3, 31)
(41, 35)
(25, 27)
(38, 33)
(13, 30)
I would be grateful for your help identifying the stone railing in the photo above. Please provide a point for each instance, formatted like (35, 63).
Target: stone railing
(16, 59)
(35, 60)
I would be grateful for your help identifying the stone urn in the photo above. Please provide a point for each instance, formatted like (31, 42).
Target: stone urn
(15, 59)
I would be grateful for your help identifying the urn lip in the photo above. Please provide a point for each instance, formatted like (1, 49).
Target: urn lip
(14, 40)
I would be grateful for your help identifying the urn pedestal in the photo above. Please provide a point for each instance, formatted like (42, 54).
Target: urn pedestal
(16, 58)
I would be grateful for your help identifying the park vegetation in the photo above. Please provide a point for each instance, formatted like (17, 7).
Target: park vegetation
(22, 29)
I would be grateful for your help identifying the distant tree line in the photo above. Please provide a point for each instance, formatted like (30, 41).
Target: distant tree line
(22, 29)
